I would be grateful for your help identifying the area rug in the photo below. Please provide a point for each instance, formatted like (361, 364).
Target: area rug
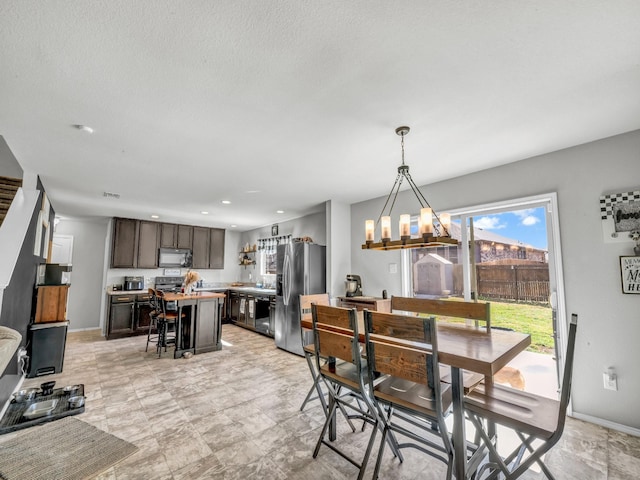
(66, 449)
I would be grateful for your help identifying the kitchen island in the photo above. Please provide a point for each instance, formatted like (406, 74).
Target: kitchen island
(200, 331)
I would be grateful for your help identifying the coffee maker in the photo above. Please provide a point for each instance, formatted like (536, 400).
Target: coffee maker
(354, 285)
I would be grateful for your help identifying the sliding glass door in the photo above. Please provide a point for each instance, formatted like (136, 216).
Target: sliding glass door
(508, 255)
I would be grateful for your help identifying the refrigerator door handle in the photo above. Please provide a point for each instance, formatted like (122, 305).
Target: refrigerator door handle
(286, 280)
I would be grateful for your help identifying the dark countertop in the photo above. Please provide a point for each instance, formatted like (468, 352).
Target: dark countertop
(253, 290)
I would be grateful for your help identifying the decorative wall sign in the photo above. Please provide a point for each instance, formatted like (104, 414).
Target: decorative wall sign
(620, 214)
(630, 271)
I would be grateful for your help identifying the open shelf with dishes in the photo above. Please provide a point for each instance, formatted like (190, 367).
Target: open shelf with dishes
(247, 258)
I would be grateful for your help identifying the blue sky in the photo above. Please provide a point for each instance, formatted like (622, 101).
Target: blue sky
(528, 226)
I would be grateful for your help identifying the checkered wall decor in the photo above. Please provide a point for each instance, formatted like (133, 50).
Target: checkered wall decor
(608, 201)
(608, 206)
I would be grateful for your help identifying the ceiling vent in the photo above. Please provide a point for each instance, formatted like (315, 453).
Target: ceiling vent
(111, 195)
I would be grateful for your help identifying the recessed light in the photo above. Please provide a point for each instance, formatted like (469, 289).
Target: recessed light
(280, 211)
(233, 226)
(84, 128)
(226, 202)
(155, 216)
(204, 213)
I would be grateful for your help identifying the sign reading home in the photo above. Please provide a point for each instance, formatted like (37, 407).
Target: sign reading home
(626, 217)
(630, 270)
(620, 215)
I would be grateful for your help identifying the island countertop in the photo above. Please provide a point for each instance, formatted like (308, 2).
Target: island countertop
(172, 297)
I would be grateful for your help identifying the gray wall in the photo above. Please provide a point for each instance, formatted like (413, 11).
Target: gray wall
(609, 321)
(338, 246)
(313, 226)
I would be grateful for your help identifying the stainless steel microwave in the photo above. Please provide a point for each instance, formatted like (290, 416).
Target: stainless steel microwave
(174, 257)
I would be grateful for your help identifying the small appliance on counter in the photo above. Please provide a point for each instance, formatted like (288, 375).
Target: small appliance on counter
(133, 283)
(353, 285)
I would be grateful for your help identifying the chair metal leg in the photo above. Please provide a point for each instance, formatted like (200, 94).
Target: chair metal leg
(317, 387)
(152, 324)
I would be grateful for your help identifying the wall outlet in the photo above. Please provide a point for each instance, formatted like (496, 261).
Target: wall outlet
(610, 381)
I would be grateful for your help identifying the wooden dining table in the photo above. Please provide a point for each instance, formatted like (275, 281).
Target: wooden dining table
(466, 347)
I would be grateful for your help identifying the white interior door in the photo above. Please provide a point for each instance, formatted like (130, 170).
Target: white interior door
(62, 249)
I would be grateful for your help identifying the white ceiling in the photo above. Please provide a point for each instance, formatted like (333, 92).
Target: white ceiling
(286, 104)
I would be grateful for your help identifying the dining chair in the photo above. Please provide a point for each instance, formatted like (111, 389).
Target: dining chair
(449, 309)
(309, 349)
(531, 416)
(162, 321)
(475, 311)
(335, 331)
(415, 400)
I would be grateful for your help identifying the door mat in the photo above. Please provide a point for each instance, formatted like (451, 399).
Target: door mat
(67, 449)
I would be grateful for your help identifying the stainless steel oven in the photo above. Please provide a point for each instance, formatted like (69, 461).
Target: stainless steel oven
(169, 284)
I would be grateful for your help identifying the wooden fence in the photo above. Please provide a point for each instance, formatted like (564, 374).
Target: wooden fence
(518, 283)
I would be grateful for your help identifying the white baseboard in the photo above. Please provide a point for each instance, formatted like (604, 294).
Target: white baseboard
(607, 424)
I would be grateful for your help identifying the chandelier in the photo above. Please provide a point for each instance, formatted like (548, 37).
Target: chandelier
(430, 233)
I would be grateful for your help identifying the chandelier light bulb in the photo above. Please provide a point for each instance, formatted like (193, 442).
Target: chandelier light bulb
(369, 227)
(426, 221)
(405, 226)
(385, 224)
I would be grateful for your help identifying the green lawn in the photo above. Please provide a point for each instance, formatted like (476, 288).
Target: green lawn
(522, 317)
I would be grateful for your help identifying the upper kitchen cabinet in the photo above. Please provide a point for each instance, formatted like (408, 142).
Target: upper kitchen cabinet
(208, 247)
(125, 243)
(176, 236)
(136, 243)
(200, 247)
(148, 244)
(216, 248)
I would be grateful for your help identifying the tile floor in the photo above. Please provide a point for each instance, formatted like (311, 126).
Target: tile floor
(234, 414)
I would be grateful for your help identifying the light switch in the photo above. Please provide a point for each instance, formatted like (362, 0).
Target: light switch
(393, 268)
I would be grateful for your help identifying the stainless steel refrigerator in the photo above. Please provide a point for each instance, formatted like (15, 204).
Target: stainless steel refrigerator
(301, 270)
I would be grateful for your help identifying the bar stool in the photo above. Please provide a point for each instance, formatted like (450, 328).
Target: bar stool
(163, 322)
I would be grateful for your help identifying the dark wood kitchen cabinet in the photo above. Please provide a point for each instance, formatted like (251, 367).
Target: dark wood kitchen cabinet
(136, 243)
(129, 314)
(142, 313)
(176, 236)
(216, 248)
(125, 243)
(208, 247)
(200, 247)
(148, 244)
(121, 316)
